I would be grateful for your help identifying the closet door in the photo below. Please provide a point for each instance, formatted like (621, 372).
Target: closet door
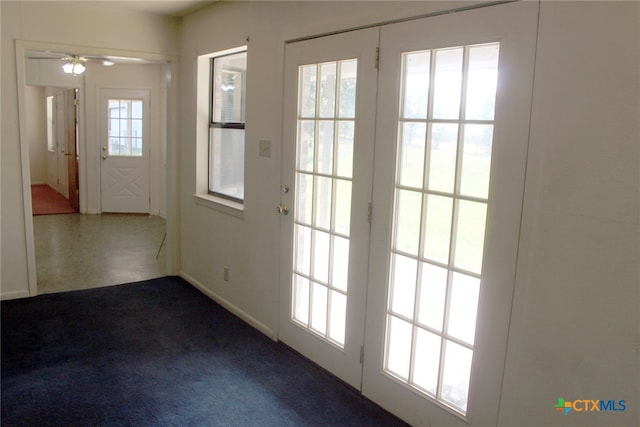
(453, 106)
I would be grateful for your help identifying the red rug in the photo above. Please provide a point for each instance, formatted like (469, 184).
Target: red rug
(46, 201)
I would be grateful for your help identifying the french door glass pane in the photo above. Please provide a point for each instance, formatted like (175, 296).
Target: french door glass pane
(348, 70)
(476, 160)
(448, 83)
(344, 159)
(408, 207)
(411, 162)
(445, 136)
(425, 371)
(481, 82)
(443, 148)
(456, 375)
(417, 66)
(324, 169)
(399, 347)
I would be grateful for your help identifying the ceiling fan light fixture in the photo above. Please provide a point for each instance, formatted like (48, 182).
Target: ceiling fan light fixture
(74, 65)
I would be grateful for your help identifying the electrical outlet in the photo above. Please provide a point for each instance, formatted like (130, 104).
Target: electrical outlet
(226, 274)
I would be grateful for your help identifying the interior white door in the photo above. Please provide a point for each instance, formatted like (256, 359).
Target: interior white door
(125, 151)
(330, 91)
(451, 144)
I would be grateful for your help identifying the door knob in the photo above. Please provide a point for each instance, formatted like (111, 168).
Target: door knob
(104, 157)
(282, 209)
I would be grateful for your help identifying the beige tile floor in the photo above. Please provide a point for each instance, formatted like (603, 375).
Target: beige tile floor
(76, 251)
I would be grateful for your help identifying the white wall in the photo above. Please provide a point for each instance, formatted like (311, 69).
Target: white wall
(575, 325)
(574, 331)
(94, 27)
(249, 246)
(37, 133)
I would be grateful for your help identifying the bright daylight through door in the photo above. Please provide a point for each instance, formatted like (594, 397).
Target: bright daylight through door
(125, 127)
(324, 173)
(445, 133)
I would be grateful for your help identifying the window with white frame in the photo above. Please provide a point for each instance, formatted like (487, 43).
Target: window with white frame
(51, 140)
(226, 125)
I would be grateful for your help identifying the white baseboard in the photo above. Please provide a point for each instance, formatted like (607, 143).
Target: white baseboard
(13, 295)
(229, 306)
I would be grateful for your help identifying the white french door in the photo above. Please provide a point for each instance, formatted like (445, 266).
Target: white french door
(451, 122)
(327, 160)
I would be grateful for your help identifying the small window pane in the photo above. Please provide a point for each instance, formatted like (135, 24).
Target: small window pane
(323, 190)
(340, 269)
(482, 82)
(471, 223)
(427, 361)
(348, 74)
(325, 147)
(114, 108)
(302, 250)
(437, 228)
(416, 84)
(408, 212)
(463, 307)
(411, 160)
(51, 140)
(342, 221)
(344, 156)
(136, 109)
(442, 156)
(301, 298)
(337, 317)
(433, 290)
(328, 89)
(404, 285)
(307, 91)
(306, 144)
(226, 162)
(136, 128)
(319, 308)
(456, 375)
(304, 199)
(321, 252)
(229, 88)
(448, 84)
(398, 347)
(476, 160)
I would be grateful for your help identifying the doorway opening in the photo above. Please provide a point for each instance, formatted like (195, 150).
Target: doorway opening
(87, 249)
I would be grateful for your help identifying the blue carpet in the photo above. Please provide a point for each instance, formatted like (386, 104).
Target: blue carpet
(159, 353)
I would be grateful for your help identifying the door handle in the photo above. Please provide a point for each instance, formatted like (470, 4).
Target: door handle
(104, 157)
(282, 209)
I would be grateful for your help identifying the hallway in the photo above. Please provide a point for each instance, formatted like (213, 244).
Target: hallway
(88, 251)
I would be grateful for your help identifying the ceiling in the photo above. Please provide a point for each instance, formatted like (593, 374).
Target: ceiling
(177, 8)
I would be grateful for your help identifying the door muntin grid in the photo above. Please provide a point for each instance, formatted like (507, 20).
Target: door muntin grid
(323, 187)
(445, 134)
(125, 127)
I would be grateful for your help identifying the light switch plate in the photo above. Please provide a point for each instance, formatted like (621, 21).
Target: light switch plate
(264, 148)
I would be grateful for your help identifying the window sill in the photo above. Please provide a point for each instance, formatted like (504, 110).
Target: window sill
(220, 204)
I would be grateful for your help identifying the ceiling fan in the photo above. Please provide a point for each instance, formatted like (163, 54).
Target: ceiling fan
(75, 63)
